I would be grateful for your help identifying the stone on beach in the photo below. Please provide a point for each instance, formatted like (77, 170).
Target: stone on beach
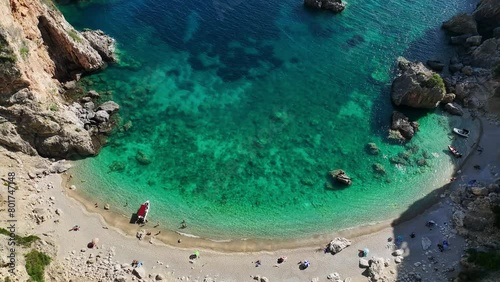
(140, 272)
(106, 207)
(334, 277)
(426, 243)
(364, 263)
(398, 252)
(337, 245)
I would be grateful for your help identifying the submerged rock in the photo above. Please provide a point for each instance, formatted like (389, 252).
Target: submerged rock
(372, 149)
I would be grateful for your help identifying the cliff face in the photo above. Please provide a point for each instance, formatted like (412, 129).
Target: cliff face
(40, 50)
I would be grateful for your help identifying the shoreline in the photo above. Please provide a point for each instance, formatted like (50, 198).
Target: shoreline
(171, 237)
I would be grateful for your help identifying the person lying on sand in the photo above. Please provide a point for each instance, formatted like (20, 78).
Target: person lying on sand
(75, 228)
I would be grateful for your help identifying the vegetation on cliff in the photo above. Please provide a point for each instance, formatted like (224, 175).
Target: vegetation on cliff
(36, 262)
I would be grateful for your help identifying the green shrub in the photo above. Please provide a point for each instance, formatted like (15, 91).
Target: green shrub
(35, 264)
(435, 81)
(20, 240)
(73, 34)
(24, 51)
(53, 107)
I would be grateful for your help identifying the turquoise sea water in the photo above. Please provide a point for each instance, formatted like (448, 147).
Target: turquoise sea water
(233, 112)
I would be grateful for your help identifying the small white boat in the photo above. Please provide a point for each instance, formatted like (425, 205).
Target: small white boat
(142, 213)
(462, 132)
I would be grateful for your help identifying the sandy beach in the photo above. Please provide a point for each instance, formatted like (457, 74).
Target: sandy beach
(118, 246)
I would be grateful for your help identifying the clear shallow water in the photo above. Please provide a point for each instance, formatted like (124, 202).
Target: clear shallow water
(236, 111)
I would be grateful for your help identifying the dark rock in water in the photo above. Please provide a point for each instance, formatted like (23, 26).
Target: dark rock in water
(487, 16)
(142, 158)
(401, 123)
(455, 67)
(355, 40)
(417, 86)
(422, 162)
(341, 176)
(435, 65)
(454, 109)
(461, 24)
(336, 6)
(378, 168)
(372, 149)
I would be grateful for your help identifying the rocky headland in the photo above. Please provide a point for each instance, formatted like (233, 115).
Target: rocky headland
(41, 55)
(470, 84)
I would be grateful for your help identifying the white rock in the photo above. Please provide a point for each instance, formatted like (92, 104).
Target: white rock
(398, 259)
(72, 187)
(426, 243)
(159, 277)
(140, 272)
(398, 252)
(364, 263)
(334, 276)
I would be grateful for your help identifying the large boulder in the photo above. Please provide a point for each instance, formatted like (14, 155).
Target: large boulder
(337, 245)
(336, 6)
(376, 269)
(487, 54)
(110, 107)
(487, 16)
(461, 24)
(417, 86)
(10, 139)
(102, 43)
(402, 124)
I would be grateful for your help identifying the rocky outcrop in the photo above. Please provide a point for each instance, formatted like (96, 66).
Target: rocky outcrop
(487, 16)
(336, 6)
(461, 24)
(401, 124)
(417, 86)
(39, 53)
(102, 43)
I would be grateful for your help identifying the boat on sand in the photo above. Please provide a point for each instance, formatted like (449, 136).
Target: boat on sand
(462, 132)
(454, 152)
(142, 213)
(341, 176)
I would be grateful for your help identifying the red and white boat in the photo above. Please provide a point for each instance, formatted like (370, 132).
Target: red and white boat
(454, 152)
(142, 213)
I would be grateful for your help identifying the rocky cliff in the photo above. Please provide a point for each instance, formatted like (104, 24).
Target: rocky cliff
(39, 51)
